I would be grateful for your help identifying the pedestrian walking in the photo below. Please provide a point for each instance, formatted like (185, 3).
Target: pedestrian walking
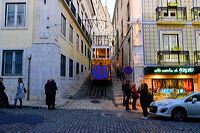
(144, 99)
(128, 94)
(123, 90)
(50, 91)
(134, 95)
(20, 92)
(3, 97)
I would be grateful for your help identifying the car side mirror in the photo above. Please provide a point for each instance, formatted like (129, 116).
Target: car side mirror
(194, 100)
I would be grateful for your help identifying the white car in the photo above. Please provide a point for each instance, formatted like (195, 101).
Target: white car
(178, 109)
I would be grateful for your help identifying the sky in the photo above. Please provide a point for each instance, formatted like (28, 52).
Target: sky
(110, 4)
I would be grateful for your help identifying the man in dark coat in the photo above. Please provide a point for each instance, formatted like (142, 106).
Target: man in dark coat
(128, 93)
(144, 99)
(124, 93)
(3, 97)
(50, 91)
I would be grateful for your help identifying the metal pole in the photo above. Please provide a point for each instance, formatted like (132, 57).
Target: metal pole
(29, 68)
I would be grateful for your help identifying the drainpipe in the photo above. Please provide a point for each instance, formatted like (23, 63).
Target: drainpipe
(29, 70)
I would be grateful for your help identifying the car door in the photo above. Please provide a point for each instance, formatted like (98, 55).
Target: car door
(193, 107)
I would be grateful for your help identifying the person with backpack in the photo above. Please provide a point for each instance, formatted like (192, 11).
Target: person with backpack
(20, 92)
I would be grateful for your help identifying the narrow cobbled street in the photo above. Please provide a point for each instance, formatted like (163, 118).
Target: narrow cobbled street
(88, 116)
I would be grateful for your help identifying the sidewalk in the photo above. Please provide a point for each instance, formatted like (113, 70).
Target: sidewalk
(41, 103)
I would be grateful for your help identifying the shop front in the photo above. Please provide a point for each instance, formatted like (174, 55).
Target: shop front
(171, 82)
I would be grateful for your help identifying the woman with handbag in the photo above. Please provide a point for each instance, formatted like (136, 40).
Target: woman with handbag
(20, 92)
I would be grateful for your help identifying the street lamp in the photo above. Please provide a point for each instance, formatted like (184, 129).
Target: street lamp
(29, 70)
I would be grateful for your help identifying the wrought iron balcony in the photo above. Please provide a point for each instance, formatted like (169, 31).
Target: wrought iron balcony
(173, 58)
(79, 20)
(197, 57)
(83, 27)
(171, 14)
(67, 1)
(73, 9)
(195, 13)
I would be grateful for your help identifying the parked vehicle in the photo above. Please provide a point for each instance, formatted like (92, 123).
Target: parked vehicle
(178, 109)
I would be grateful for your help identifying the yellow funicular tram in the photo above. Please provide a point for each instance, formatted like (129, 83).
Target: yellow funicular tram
(101, 63)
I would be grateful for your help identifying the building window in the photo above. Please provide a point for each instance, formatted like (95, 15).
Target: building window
(63, 66)
(15, 14)
(63, 25)
(85, 50)
(71, 63)
(82, 46)
(77, 68)
(77, 41)
(170, 42)
(12, 63)
(71, 34)
(82, 68)
(198, 42)
(89, 53)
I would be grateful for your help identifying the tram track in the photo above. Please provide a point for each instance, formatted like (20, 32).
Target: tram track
(98, 90)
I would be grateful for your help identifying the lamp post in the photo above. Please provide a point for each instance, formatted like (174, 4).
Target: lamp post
(29, 70)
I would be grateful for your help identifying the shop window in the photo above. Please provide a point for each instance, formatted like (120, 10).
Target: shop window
(171, 88)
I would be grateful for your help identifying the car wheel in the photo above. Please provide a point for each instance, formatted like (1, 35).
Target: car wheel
(179, 114)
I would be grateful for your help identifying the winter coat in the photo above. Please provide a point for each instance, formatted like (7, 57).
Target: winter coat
(50, 91)
(144, 95)
(20, 91)
(127, 89)
(2, 88)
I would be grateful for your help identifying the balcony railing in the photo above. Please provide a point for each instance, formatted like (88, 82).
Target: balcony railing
(171, 14)
(173, 58)
(73, 9)
(195, 13)
(197, 57)
(83, 27)
(78, 19)
(67, 1)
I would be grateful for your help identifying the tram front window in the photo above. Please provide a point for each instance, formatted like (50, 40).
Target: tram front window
(100, 53)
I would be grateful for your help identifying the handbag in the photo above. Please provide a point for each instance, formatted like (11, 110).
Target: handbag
(25, 90)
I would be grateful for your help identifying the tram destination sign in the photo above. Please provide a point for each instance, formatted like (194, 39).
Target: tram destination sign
(171, 70)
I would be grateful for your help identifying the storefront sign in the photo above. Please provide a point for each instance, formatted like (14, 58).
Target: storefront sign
(174, 70)
(171, 70)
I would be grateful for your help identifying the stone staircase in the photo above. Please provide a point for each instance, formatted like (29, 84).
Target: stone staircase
(117, 88)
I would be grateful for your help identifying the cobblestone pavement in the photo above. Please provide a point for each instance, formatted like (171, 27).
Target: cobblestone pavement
(84, 116)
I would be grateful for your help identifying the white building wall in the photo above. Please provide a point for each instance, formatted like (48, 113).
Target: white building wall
(42, 40)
